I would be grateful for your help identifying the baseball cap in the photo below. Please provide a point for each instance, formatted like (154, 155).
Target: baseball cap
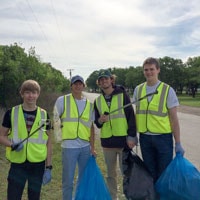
(77, 78)
(104, 73)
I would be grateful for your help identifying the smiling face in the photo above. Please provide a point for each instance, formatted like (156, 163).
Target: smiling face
(105, 83)
(30, 91)
(151, 73)
(77, 88)
(151, 70)
(30, 97)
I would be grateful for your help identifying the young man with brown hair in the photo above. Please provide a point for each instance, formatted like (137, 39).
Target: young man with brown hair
(30, 159)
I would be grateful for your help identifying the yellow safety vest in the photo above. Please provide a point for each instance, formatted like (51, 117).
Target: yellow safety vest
(153, 116)
(34, 149)
(73, 124)
(117, 125)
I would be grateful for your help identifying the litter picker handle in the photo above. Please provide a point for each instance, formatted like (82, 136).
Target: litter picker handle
(106, 113)
(129, 104)
(16, 145)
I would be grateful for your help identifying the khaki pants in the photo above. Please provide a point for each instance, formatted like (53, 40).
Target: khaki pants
(111, 155)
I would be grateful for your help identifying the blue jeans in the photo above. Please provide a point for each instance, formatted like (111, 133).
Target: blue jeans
(157, 152)
(70, 157)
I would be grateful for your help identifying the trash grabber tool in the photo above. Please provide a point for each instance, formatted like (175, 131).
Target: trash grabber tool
(47, 122)
(129, 104)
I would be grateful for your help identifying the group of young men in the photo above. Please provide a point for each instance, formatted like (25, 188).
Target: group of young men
(25, 131)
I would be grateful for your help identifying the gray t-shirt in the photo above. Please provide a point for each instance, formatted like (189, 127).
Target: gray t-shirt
(172, 100)
(59, 108)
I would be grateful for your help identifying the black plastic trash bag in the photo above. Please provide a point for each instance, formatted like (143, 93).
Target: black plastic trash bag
(92, 185)
(179, 181)
(137, 182)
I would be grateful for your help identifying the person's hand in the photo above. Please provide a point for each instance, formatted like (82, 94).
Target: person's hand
(132, 141)
(46, 176)
(103, 118)
(93, 152)
(17, 147)
(179, 148)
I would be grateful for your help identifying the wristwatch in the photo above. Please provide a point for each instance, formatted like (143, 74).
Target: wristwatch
(49, 167)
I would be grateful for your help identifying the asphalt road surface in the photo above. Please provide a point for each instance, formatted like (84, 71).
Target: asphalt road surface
(190, 133)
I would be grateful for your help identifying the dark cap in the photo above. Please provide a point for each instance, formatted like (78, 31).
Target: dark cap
(104, 73)
(77, 78)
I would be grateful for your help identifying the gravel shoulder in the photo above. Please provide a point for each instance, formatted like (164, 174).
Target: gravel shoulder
(189, 110)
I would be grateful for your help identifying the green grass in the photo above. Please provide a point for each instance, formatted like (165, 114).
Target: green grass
(188, 100)
(53, 190)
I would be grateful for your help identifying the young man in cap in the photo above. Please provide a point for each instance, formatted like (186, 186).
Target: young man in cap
(118, 130)
(76, 115)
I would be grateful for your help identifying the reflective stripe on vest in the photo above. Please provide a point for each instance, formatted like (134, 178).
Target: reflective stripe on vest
(38, 140)
(153, 116)
(34, 149)
(117, 125)
(74, 125)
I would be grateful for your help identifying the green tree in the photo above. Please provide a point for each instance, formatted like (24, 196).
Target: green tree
(193, 72)
(134, 77)
(172, 72)
(91, 81)
(16, 66)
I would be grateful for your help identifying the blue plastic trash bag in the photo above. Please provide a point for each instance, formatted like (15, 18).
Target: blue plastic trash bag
(180, 181)
(137, 181)
(92, 185)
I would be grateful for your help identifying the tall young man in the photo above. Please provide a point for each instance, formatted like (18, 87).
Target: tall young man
(157, 120)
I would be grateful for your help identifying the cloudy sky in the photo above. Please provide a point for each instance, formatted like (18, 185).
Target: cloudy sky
(88, 35)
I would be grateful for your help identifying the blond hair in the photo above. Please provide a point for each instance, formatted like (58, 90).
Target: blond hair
(30, 85)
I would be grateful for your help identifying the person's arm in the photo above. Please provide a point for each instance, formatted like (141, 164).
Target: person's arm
(174, 123)
(4, 136)
(57, 112)
(49, 149)
(132, 139)
(172, 103)
(92, 140)
(5, 128)
(97, 120)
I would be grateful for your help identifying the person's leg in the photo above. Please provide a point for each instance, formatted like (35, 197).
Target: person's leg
(16, 182)
(110, 156)
(69, 159)
(35, 175)
(82, 161)
(119, 152)
(149, 154)
(164, 146)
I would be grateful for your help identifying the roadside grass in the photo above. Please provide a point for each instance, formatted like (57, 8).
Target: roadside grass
(188, 100)
(53, 190)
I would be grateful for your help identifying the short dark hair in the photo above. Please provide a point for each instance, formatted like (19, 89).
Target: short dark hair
(151, 61)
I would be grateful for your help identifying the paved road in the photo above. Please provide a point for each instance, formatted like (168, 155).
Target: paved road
(190, 134)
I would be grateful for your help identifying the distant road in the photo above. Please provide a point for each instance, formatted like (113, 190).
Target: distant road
(190, 133)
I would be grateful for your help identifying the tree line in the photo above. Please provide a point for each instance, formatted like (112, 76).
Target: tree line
(181, 76)
(16, 66)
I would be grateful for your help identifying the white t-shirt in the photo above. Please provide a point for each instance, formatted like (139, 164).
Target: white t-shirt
(172, 100)
(59, 109)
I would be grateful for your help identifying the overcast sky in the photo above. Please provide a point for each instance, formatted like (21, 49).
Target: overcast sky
(88, 35)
